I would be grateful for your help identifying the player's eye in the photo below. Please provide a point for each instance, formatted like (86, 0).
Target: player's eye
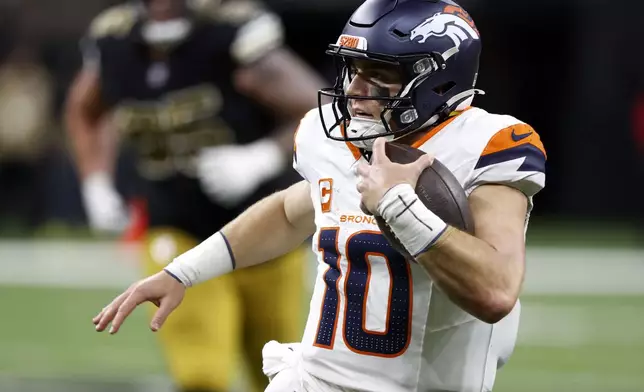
(370, 75)
(378, 77)
(384, 76)
(352, 71)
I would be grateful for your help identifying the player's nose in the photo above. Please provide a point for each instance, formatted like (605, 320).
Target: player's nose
(358, 87)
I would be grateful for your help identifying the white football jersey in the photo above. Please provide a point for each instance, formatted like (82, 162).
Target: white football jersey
(376, 321)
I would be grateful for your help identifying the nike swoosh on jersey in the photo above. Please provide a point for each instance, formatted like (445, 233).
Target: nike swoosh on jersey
(518, 138)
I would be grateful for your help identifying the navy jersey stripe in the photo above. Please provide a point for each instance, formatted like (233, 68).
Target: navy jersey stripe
(534, 158)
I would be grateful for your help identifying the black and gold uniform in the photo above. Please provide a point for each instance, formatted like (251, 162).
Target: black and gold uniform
(168, 106)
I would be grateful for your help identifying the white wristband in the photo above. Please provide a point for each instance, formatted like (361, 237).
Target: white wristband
(210, 259)
(416, 227)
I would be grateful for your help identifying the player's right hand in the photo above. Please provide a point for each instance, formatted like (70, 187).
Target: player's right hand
(231, 173)
(161, 289)
(104, 206)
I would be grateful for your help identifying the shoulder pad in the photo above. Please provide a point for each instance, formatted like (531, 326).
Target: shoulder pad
(116, 21)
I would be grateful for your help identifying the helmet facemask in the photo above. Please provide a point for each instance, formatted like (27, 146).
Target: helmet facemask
(402, 113)
(399, 117)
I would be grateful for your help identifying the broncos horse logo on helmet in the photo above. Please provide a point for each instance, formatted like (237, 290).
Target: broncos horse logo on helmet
(435, 46)
(440, 25)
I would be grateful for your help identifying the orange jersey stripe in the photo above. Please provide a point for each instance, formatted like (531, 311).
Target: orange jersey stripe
(354, 150)
(513, 136)
(433, 131)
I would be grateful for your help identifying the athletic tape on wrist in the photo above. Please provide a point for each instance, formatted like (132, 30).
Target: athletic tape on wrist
(415, 226)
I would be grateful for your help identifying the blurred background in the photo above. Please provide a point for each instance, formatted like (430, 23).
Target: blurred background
(574, 69)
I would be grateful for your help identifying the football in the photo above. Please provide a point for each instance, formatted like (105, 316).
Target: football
(437, 188)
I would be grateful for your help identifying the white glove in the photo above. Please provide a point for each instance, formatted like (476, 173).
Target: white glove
(230, 173)
(104, 206)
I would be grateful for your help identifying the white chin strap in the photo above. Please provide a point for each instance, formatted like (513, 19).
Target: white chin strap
(166, 32)
(362, 127)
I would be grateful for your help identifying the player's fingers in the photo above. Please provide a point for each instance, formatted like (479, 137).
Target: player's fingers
(108, 312)
(360, 186)
(166, 307)
(106, 317)
(125, 309)
(423, 163)
(363, 169)
(98, 317)
(379, 154)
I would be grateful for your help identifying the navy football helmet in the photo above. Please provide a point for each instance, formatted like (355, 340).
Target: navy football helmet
(436, 47)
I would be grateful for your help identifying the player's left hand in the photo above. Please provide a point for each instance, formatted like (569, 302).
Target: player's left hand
(230, 173)
(161, 289)
(383, 174)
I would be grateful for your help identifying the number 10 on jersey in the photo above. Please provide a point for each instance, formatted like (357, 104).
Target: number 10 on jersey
(361, 249)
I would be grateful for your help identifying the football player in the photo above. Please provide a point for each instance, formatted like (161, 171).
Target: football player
(444, 321)
(197, 88)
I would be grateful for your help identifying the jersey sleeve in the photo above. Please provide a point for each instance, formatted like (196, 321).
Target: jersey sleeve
(302, 145)
(515, 157)
(258, 30)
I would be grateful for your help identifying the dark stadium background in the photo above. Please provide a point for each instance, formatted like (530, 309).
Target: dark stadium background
(574, 69)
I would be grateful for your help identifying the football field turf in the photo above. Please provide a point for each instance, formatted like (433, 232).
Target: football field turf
(587, 337)
(567, 343)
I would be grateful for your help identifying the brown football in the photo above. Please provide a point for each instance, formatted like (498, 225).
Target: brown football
(437, 188)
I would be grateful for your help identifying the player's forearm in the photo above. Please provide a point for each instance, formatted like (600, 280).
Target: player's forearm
(268, 229)
(473, 274)
(262, 233)
(93, 151)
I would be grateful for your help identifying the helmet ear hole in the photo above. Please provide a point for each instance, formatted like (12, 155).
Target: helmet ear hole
(444, 88)
(399, 33)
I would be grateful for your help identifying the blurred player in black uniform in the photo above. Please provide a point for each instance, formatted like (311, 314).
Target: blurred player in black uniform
(200, 88)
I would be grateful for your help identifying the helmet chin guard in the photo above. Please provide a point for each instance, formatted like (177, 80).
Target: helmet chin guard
(367, 130)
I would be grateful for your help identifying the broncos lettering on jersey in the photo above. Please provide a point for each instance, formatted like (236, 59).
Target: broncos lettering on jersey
(377, 315)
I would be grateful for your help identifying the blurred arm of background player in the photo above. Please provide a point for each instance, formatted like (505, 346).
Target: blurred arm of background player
(285, 83)
(271, 74)
(94, 150)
